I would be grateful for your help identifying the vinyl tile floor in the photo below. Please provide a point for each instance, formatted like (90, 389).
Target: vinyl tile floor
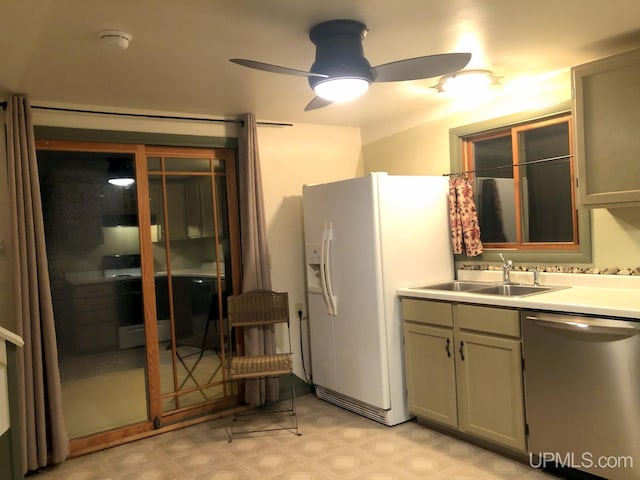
(335, 444)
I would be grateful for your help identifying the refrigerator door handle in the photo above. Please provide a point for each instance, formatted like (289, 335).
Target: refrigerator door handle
(323, 264)
(333, 307)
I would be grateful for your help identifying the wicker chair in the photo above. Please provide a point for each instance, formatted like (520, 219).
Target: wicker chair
(259, 308)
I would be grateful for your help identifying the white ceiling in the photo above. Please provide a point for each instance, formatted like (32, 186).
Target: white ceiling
(178, 58)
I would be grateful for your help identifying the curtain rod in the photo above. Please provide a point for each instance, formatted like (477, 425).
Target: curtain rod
(540, 160)
(3, 105)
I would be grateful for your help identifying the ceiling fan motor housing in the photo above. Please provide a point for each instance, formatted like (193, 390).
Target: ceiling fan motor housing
(339, 51)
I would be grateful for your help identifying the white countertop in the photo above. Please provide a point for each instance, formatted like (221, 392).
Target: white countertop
(589, 294)
(82, 278)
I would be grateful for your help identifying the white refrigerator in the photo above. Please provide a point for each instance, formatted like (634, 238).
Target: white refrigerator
(365, 238)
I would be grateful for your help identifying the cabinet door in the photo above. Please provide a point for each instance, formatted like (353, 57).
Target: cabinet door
(176, 210)
(94, 318)
(193, 208)
(206, 206)
(157, 210)
(430, 373)
(490, 393)
(199, 207)
(607, 115)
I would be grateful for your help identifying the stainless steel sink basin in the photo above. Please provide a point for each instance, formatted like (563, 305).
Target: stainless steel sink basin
(514, 290)
(486, 288)
(457, 286)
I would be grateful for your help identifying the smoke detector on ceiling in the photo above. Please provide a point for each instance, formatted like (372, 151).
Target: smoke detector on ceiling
(115, 39)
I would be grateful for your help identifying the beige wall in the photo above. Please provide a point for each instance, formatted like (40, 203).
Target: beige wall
(423, 149)
(290, 157)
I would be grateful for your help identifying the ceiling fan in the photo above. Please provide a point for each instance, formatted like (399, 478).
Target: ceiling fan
(341, 72)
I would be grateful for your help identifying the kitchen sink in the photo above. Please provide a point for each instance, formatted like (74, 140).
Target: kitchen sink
(456, 286)
(515, 290)
(486, 288)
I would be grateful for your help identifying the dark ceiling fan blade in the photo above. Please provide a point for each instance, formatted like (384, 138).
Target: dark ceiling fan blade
(275, 68)
(317, 102)
(420, 67)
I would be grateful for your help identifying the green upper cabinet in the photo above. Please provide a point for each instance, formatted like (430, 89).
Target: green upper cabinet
(607, 120)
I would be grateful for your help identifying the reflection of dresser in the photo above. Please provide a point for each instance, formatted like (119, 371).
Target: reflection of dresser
(95, 327)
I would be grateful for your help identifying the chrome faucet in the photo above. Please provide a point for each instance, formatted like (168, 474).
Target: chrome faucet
(507, 266)
(536, 276)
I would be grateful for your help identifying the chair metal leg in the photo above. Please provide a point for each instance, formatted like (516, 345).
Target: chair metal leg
(291, 411)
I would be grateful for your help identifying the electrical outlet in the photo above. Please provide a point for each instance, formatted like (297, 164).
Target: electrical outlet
(299, 308)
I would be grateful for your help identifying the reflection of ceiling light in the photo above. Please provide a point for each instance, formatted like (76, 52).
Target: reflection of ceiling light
(120, 172)
(466, 82)
(341, 89)
(114, 39)
(121, 182)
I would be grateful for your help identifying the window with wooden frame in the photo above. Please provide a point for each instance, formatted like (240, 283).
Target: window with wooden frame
(523, 178)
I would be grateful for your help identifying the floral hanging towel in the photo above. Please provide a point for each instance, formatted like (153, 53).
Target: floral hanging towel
(463, 218)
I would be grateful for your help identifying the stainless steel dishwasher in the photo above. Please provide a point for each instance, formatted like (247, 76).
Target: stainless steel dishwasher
(582, 384)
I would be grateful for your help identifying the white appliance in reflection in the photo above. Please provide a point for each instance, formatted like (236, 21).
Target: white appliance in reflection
(365, 238)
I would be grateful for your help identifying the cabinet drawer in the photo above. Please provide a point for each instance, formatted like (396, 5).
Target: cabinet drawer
(501, 321)
(93, 290)
(95, 317)
(88, 304)
(427, 311)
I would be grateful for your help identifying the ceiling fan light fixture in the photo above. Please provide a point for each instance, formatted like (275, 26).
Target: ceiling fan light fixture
(341, 71)
(466, 82)
(341, 89)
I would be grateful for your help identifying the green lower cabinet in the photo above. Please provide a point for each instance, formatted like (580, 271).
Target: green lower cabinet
(431, 390)
(464, 369)
(490, 394)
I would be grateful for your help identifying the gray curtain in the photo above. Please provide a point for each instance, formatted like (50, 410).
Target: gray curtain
(256, 271)
(44, 438)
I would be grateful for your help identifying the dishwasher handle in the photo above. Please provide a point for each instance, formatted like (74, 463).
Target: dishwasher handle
(588, 325)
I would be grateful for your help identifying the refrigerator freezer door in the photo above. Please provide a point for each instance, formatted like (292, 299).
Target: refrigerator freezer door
(348, 352)
(323, 356)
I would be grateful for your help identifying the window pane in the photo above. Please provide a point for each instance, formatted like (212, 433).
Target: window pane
(187, 164)
(494, 189)
(154, 163)
(547, 210)
(218, 165)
